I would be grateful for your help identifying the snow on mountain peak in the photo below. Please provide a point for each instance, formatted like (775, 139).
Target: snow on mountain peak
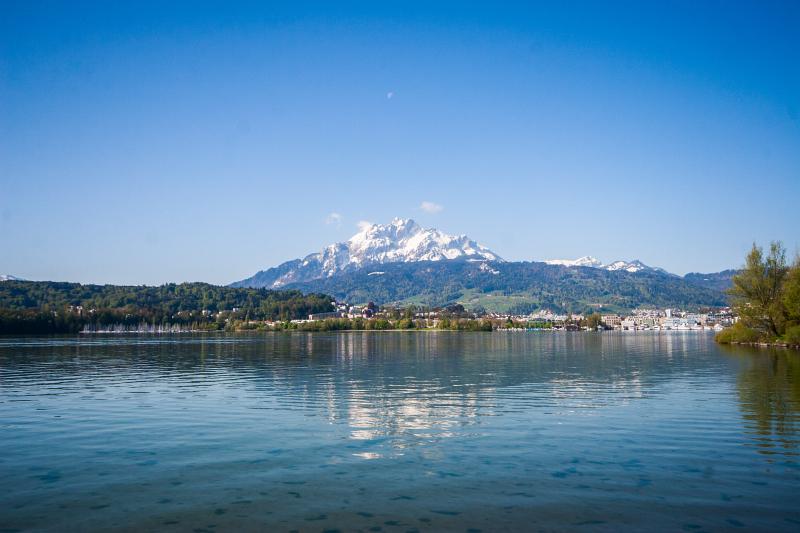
(586, 261)
(589, 261)
(627, 266)
(401, 240)
(9, 277)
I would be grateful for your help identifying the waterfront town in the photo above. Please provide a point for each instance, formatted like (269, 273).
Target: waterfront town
(452, 317)
(645, 319)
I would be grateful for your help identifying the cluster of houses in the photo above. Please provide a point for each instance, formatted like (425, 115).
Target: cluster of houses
(646, 319)
(344, 310)
(638, 320)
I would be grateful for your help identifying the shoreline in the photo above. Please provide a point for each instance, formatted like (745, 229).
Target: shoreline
(763, 344)
(410, 330)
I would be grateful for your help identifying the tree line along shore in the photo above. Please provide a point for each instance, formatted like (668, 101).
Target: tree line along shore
(44, 307)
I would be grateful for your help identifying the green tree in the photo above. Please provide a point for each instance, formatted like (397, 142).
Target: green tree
(791, 293)
(791, 303)
(756, 294)
(593, 320)
(405, 323)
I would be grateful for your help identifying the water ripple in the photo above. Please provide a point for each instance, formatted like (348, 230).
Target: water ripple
(432, 430)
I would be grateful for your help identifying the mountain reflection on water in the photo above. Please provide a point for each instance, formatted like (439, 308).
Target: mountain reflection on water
(411, 430)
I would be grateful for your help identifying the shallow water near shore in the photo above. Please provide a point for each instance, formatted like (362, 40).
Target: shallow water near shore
(398, 431)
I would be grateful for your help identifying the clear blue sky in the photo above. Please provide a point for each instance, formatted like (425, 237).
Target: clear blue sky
(147, 144)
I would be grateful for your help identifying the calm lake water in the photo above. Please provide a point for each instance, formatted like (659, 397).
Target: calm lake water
(398, 431)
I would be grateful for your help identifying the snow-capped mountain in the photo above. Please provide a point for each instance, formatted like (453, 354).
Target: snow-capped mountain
(9, 277)
(585, 261)
(632, 266)
(589, 261)
(402, 240)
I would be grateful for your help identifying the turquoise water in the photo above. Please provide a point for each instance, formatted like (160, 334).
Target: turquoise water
(398, 431)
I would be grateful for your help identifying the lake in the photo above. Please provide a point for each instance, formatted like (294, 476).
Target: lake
(398, 431)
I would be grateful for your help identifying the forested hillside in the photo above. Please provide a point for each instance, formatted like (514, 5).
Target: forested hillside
(44, 306)
(720, 281)
(513, 286)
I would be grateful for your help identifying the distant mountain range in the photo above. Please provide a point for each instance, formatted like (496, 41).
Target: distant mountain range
(9, 277)
(518, 287)
(401, 262)
(589, 261)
